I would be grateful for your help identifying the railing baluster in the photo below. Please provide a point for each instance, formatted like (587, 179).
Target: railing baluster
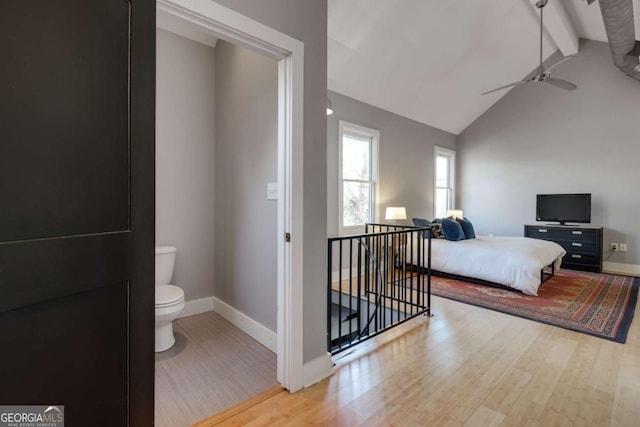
(350, 287)
(340, 295)
(329, 290)
(410, 280)
(429, 277)
(359, 294)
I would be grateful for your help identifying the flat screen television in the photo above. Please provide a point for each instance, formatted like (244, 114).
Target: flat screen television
(564, 208)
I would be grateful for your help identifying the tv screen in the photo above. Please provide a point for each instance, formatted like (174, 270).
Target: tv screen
(564, 208)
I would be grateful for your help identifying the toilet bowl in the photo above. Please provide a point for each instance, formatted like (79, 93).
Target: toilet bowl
(169, 298)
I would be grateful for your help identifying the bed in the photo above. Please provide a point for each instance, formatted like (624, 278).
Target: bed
(514, 262)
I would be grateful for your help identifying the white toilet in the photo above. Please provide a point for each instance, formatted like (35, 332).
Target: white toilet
(169, 298)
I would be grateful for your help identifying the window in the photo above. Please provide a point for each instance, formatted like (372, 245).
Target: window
(357, 172)
(444, 186)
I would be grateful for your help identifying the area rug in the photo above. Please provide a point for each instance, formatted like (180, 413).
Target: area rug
(601, 305)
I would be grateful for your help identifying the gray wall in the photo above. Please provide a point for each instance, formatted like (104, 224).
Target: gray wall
(405, 158)
(540, 139)
(184, 159)
(306, 20)
(246, 160)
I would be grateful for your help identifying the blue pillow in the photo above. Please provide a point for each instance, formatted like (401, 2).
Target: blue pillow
(467, 228)
(452, 230)
(420, 222)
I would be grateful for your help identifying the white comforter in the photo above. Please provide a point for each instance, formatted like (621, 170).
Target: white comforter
(510, 261)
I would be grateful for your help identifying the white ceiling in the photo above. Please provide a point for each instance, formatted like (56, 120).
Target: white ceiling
(429, 60)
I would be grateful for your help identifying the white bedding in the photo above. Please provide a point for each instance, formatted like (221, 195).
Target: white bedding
(510, 261)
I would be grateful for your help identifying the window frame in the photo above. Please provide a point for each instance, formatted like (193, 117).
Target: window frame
(451, 156)
(373, 135)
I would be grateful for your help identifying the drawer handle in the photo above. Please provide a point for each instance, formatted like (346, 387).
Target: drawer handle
(576, 256)
(576, 244)
(576, 232)
(542, 230)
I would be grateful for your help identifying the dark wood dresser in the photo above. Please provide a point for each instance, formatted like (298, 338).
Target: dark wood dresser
(582, 243)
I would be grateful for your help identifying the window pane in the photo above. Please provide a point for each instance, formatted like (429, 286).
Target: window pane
(355, 158)
(356, 203)
(442, 171)
(442, 202)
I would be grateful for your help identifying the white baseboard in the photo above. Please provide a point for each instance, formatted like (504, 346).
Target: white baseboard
(620, 268)
(197, 306)
(317, 370)
(255, 330)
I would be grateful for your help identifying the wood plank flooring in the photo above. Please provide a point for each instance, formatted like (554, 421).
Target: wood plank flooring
(212, 366)
(469, 366)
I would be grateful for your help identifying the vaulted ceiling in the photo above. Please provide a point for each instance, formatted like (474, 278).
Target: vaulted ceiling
(430, 60)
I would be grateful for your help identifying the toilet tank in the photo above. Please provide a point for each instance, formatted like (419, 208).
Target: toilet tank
(165, 261)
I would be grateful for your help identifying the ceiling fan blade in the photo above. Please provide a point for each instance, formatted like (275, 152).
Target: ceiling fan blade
(565, 59)
(543, 75)
(562, 84)
(505, 86)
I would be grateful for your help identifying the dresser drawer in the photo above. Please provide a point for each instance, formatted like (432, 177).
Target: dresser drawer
(575, 258)
(579, 247)
(578, 235)
(559, 234)
(539, 233)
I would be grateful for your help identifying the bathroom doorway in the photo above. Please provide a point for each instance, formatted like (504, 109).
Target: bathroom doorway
(285, 56)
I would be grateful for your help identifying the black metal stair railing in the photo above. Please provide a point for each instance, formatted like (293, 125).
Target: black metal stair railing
(387, 281)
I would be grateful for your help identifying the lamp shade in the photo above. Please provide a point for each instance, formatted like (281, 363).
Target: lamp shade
(393, 213)
(455, 214)
(329, 107)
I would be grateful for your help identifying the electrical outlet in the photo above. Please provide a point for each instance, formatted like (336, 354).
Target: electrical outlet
(615, 247)
(623, 247)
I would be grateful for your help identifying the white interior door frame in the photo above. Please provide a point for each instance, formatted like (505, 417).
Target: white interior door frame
(226, 24)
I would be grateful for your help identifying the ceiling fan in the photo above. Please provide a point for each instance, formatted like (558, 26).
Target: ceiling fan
(542, 76)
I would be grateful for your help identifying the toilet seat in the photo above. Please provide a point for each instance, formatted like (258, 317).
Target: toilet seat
(168, 295)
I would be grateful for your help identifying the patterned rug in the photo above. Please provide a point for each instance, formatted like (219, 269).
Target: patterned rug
(601, 305)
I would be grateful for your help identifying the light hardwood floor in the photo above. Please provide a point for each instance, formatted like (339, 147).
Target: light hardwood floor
(468, 366)
(212, 366)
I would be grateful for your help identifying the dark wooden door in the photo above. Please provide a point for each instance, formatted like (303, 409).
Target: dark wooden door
(77, 90)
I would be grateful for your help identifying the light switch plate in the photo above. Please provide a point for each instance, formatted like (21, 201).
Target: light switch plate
(272, 191)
